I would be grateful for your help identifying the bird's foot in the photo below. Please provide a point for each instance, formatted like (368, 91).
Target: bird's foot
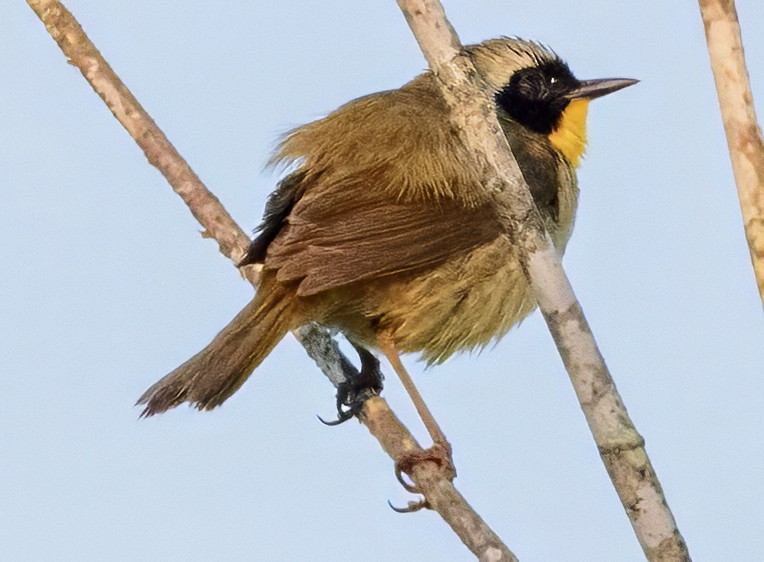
(440, 454)
(358, 388)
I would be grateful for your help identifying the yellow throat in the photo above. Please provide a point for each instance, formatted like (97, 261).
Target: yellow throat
(570, 135)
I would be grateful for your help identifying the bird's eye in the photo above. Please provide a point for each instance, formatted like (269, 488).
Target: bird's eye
(553, 80)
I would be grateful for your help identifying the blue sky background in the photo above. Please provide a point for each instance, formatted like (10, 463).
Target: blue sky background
(106, 285)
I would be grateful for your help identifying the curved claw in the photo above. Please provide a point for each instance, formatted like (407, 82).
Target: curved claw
(343, 399)
(412, 507)
(412, 488)
(359, 387)
(342, 417)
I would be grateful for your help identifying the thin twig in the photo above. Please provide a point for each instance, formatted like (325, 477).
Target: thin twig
(621, 447)
(746, 147)
(382, 423)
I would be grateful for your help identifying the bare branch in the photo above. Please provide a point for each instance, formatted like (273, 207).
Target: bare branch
(80, 52)
(621, 447)
(382, 423)
(746, 147)
(440, 493)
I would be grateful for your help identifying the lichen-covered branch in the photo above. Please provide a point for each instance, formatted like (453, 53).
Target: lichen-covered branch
(621, 447)
(746, 147)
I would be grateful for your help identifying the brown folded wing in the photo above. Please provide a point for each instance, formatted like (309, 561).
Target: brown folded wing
(337, 236)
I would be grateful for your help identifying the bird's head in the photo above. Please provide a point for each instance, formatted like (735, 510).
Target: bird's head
(536, 89)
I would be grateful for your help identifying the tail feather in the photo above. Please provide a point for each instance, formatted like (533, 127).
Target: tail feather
(216, 372)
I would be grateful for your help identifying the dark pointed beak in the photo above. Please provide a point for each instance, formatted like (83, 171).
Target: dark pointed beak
(590, 89)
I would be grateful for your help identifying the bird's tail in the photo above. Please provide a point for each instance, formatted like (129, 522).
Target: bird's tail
(216, 372)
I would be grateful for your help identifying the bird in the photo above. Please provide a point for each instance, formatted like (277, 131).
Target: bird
(384, 228)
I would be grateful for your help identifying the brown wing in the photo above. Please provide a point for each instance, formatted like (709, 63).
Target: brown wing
(341, 234)
(382, 186)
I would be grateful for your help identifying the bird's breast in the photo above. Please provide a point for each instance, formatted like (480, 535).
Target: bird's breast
(462, 305)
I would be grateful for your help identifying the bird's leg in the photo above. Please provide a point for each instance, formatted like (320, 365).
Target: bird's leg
(358, 386)
(440, 452)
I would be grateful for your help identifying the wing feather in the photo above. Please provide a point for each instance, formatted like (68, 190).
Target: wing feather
(330, 239)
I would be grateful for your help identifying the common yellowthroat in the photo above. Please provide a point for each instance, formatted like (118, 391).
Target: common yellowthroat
(385, 231)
